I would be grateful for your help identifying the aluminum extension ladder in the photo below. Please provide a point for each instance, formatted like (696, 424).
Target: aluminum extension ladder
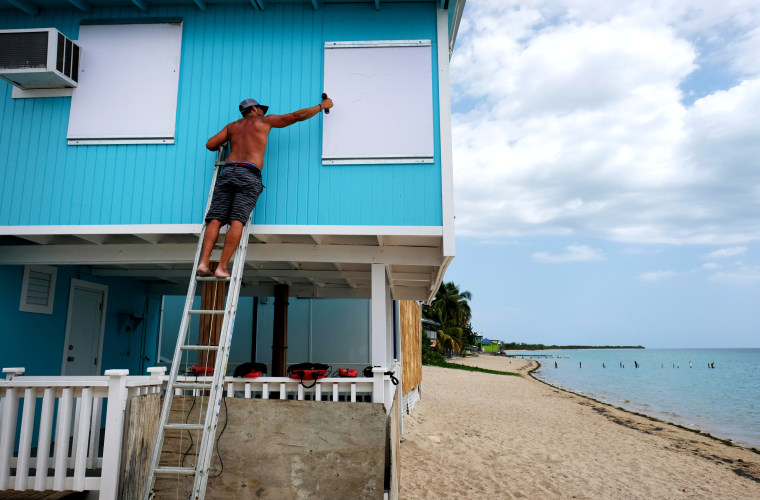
(210, 387)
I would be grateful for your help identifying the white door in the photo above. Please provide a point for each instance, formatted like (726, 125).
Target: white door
(84, 328)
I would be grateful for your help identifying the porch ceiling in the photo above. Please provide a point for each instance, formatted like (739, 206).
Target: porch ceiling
(325, 262)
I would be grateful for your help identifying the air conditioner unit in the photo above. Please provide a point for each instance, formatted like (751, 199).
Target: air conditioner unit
(38, 59)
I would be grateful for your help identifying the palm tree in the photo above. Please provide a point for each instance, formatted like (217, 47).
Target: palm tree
(451, 310)
(450, 306)
(449, 338)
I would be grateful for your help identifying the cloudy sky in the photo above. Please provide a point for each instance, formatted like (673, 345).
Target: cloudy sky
(607, 171)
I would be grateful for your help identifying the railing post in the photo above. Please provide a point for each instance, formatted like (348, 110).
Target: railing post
(25, 439)
(7, 434)
(11, 373)
(156, 372)
(8, 409)
(117, 404)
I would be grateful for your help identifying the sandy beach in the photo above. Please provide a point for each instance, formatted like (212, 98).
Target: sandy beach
(476, 435)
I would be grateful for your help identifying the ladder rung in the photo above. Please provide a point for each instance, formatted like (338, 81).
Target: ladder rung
(184, 427)
(200, 347)
(206, 311)
(211, 278)
(193, 385)
(175, 470)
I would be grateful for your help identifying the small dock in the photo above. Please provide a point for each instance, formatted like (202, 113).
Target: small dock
(530, 356)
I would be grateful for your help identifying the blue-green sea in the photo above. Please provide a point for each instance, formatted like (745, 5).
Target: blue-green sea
(677, 385)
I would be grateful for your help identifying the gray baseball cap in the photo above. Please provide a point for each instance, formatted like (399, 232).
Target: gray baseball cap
(247, 103)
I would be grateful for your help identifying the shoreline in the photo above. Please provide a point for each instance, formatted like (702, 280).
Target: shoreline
(719, 422)
(475, 435)
(724, 441)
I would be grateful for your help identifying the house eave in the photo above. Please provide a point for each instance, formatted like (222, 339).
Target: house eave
(315, 261)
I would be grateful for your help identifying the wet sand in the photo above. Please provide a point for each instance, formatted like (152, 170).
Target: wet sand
(476, 435)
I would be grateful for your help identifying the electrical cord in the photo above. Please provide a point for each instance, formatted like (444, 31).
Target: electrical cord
(187, 419)
(219, 456)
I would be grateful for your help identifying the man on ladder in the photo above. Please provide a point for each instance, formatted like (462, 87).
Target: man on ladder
(239, 184)
(236, 190)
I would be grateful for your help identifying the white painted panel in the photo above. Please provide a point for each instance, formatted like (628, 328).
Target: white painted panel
(383, 104)
(128, 81)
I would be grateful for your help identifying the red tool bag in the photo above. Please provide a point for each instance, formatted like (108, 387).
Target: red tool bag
(201, 371)
(346, 372)
(308, 371)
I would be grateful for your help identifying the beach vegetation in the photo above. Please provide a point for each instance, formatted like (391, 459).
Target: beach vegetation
(451, 310)
(456, 366)
(430, 356)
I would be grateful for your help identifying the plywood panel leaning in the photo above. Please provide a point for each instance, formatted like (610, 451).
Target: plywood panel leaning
(411, 344)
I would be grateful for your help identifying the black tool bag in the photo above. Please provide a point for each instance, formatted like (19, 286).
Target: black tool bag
(244, 369)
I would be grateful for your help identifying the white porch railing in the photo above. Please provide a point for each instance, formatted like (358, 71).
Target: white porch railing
(65, 417)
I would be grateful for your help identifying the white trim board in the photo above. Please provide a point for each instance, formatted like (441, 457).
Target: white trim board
(196, 229)
(178, 253)
(447, 164)
(18, 93)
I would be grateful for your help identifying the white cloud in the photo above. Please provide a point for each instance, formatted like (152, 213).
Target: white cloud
(710, 266)
(642, 251)
(724, 253)
(744, 51)
(574, 253)
(657, 275)
(745, 275)
(579, 126)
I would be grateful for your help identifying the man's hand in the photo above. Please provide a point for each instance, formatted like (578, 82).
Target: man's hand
(326, 103)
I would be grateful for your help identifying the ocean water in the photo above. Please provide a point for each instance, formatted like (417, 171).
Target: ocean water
(723, 401)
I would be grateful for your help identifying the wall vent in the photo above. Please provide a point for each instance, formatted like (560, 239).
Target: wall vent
(38, 59)
(38, 289)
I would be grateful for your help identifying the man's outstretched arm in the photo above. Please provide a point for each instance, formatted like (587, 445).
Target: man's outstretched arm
(216, 141)
(280, 121)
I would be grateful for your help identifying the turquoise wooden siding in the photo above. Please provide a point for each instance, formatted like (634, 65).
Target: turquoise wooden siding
(36, 341)
(228, 53)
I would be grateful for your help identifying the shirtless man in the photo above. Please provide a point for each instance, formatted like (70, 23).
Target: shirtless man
(238, 186)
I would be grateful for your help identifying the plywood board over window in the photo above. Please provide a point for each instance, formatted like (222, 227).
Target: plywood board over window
(128, 83)
(383, 93)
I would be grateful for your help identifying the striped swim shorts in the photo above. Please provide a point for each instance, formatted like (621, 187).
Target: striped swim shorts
(237, 189)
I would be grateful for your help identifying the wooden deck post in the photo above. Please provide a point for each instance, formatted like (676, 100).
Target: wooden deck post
(280, 333)
(210, 327)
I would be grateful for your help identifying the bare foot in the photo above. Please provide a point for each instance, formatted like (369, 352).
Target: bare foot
(221, 273)
(203, 270)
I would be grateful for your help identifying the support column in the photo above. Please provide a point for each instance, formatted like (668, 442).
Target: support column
(254, 328)
(280, 333)
(390, 359)
(379, 324)
(213, 295)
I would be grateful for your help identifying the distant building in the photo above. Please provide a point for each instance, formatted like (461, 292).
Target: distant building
(487, 345)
